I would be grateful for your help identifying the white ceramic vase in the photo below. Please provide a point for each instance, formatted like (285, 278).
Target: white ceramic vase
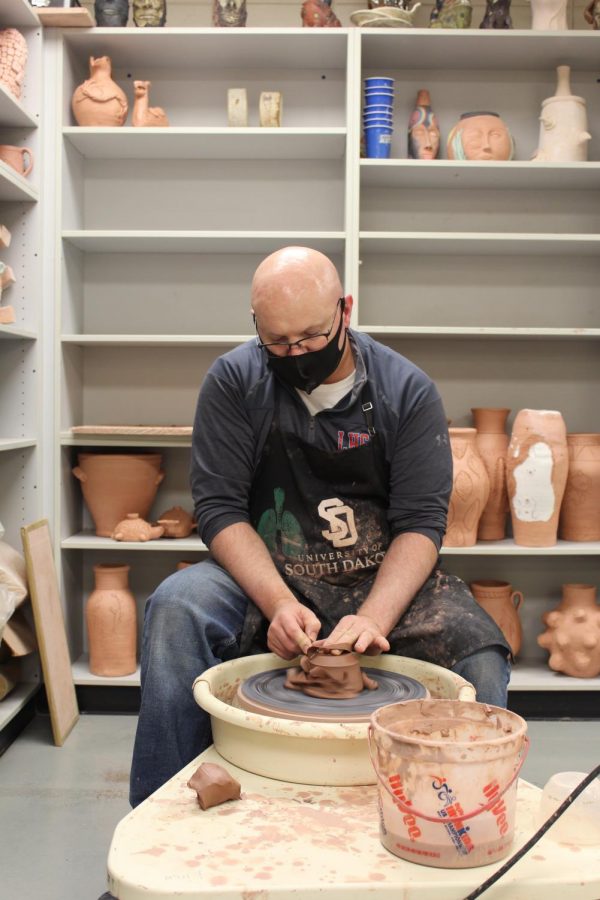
(549, 15)
(564, 131)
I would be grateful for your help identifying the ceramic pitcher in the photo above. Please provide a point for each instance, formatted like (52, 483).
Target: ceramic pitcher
(502, 604)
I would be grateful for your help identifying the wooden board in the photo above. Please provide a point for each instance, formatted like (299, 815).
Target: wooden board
(58, 17)
(173, 430)
(50, 629)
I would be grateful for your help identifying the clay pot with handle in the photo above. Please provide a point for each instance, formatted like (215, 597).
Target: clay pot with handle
(502, 604)
(16, 158)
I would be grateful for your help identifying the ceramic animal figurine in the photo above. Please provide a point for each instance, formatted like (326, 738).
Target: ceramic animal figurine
(318, 14)
(481, 136)
(13, 59)
(451, 14)
(142, 115)
(7, 278)
(423, 129)
(133, 528)
(176, 522)
(149, 13)
(230, 14)
(497, 14)
(591, 14)
(572, 635)
(111, 13)
(564, 134)
(99, 101)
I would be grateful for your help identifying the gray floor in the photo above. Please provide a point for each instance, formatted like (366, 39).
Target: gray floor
(60, 805)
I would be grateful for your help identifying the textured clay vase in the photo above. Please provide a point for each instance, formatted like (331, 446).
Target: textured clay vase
(470, 490)
(536, 473)
(13, 59)
(572, 635)
(492, 443)
(502, 604)
(114, 484)
(99, 101)
(580, 510)
(111, 623)
(564, 134)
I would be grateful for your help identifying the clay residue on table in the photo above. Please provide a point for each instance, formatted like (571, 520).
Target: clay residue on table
(330, 672)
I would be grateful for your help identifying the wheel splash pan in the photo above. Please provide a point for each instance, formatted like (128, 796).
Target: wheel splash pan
(324, 753)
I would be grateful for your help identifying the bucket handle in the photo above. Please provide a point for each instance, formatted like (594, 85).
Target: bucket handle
(415, 812)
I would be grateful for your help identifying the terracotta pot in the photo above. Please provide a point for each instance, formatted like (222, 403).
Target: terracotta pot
(572, 634)
(114, 484)
(580, 510)
(15, 157)
(470, 491)
(492, 444)
(99, 101)
(502, 604)
(111, 618)
(537, 464)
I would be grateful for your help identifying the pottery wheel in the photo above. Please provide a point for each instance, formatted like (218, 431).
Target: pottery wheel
(265, 693)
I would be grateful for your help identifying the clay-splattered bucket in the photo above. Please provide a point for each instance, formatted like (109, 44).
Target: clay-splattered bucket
(447, 777)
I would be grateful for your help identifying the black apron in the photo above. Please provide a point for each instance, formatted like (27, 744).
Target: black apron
(323, 518)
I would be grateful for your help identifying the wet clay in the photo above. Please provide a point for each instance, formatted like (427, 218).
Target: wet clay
(214, 785)
(332, 673)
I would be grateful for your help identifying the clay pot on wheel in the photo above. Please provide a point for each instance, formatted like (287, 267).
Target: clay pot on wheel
(111, 618)
(572, 635)
(470, 490)
(114, 484)
(492, 444)
(580, 509)
(502, 604)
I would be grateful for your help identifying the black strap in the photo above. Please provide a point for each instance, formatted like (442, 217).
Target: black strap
(367, 408)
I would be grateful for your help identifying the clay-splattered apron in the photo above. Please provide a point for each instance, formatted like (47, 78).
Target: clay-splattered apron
(323, 517)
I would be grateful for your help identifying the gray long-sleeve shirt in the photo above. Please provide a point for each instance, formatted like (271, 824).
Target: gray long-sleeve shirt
(234, 414)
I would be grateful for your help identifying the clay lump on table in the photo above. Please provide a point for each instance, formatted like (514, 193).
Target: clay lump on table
(329, 672)
(214, 785)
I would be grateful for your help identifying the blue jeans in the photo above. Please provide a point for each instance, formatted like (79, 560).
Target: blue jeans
(194, 621)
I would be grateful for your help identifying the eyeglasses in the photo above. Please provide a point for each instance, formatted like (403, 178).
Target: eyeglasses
(309, 344)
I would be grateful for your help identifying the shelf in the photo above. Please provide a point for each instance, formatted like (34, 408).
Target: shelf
(451, 331)
(156, 340)
(9, 332)
(466, 49)
(16, 443)
(479, 244)
(201, 241)
(536, 676)
(16, 700)
(507, 547)
(69, 440)
(14, 186)
(86, 540)
(17, 13)
(208, 143)
(442, 174)
(83, 676)
(12, 114)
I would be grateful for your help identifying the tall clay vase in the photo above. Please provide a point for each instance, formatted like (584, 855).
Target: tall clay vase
(536, 468)
(114, 485)
(492, 444)
(580, 510)
(111, 619)
(572, 634)
(99, 101)
(470, 490)
(502, 604)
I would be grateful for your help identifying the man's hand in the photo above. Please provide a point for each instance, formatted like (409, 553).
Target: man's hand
(361, 632)
(292, 630)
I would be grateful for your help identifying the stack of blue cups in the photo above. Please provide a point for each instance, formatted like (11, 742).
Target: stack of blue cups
(378, 117)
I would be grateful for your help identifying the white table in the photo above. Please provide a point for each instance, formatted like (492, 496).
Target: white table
(284, 840)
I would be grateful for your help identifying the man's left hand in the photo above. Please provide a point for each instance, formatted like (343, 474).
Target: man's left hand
(361, 632)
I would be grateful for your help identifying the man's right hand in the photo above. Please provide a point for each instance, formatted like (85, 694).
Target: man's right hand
(292, 630)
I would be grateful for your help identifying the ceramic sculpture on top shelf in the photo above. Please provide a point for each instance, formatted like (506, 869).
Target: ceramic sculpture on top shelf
(564, 134)
(470, 489)
(111, 13)
(423, 129)
(480, 136)
(149, 13)
(99, 101)
(497, 14)
(230, 14)
(492, 444)
(451, 14)
(13, 59)
(7, 278)
(536, 473)
(580, 508)
(318, 14)
(549, 15)
(386, 14)
(142, 115)
(111, 618)
(591, 14)
(572, 635)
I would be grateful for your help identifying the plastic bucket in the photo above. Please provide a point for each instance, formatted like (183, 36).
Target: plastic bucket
(447, 778)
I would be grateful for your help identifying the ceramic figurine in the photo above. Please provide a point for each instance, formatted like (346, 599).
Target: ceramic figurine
(214, 785)
(536, 473)
(142, 115)
(470, 489)
(580, 508)
(5, 236)
(270, 109)
(176, 522)
(451, 14)
(564, 134)
(497, 14)
(492, 444)
(591, 14)
(111, 13)
(388, 13)
(132, 528)
(318, 14)
(99, 101)
(111, 618)
(237, 107)
(16, 158)
(7, 278)
(13, 59)
(480, 136)
(423, 129)
(549, 15)
(149, 13)
(498, 600)
(572, 635)
(230, 14)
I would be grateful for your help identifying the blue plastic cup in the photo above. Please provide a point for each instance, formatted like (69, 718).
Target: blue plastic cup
(379, 81)
(379, 100)
(378, 141)
(378, 120)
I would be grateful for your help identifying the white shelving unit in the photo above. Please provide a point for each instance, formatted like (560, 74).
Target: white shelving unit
(484, 274)
(20, 345)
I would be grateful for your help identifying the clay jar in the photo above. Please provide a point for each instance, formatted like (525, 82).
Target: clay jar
(99, 101)
(470, 489)
(572, 634)
(19, 158)
(580, 510)
(492, 444)
(111, 623)
(114, 484)
(502, 604)
(536, 467)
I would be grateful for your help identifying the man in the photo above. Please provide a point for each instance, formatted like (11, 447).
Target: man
(321, 473)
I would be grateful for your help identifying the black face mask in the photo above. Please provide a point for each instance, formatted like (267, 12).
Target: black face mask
(307, 371)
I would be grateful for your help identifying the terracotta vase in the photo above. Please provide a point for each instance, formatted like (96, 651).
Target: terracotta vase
(470, 490)
(502, 604)
(111, 618)
(580, 509)
(536, 467)
(114, 484)
(564, 134)
(13, 59)
(572, 635)
(99, 101)
(492, 444)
